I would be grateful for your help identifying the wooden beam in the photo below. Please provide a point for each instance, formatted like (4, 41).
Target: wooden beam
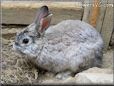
(24, 12)
(107, 27)
(94, 12)
(87, 8)
(101, 16)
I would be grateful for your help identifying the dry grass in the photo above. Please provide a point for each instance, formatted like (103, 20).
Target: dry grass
(15, 69)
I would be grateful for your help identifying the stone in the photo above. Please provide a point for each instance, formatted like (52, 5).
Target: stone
(69, 80)
(51, 81)
(95, 76)
(98, 70)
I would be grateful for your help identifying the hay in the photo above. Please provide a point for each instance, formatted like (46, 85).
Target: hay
(15, 68)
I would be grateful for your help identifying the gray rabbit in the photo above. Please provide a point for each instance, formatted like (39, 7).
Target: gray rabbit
(68, 47)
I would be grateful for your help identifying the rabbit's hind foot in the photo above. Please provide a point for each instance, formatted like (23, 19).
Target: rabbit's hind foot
(63, 75)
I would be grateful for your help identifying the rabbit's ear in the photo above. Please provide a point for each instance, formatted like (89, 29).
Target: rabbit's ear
(44, 23)
(43, 19)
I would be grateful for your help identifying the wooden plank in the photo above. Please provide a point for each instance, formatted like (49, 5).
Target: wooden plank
(24, 12)
(36, 4)
(91, 12)
(94, 12)
(107, 27)
(101, 16)
(87, 8)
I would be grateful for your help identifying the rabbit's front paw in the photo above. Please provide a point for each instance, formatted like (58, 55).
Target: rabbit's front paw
(63, 75)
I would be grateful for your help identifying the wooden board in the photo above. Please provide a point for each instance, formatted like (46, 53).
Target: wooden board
(23, 12)
(101, 16)
(94, 12)
(107, 27)
(87, 9)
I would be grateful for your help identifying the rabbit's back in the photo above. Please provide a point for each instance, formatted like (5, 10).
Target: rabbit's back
(71, 45)
(74, 31)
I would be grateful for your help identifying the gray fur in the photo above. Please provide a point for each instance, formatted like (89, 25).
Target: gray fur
(70, 45)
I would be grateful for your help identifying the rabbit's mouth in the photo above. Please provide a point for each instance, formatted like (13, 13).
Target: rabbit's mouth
(19, 52)
(17, 49)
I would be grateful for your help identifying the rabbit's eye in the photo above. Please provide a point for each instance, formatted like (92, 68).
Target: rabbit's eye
(25, 41)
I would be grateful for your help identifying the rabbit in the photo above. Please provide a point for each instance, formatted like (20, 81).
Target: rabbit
(68, 47)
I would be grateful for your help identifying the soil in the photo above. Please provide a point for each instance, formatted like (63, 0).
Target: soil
(16, 70)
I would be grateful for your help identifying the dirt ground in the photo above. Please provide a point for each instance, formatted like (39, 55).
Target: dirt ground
(15, 69)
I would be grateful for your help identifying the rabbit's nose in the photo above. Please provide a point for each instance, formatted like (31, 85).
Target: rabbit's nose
(16, 43)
